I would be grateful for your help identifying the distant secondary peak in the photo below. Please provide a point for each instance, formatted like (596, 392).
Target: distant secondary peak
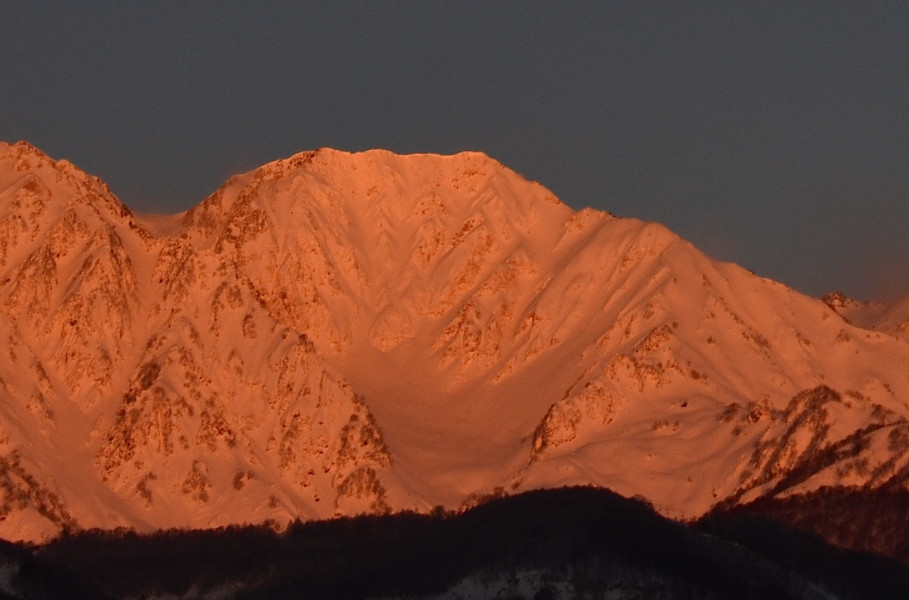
(837, 299)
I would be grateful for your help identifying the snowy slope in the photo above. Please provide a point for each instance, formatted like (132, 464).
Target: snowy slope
(335, 333)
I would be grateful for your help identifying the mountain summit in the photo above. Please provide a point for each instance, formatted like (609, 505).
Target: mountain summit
(339, 333)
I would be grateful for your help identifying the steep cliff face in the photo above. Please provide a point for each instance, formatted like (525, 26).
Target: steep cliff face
(335, 333)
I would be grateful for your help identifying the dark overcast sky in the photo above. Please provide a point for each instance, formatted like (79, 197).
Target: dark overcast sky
(772, 135)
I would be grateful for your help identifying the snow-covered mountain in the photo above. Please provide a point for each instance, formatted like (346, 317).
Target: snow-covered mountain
(336, 333)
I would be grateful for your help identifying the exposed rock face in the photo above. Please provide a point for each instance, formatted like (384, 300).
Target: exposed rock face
(336, 333)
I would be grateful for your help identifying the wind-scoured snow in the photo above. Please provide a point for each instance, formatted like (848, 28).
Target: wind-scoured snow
(338, 333)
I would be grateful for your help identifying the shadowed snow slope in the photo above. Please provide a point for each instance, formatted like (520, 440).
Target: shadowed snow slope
(338, 333)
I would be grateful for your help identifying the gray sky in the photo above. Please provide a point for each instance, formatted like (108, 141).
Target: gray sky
(772, 135)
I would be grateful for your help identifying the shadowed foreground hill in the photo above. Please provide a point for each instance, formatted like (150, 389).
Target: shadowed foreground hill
(871, 521)
(546, 544)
